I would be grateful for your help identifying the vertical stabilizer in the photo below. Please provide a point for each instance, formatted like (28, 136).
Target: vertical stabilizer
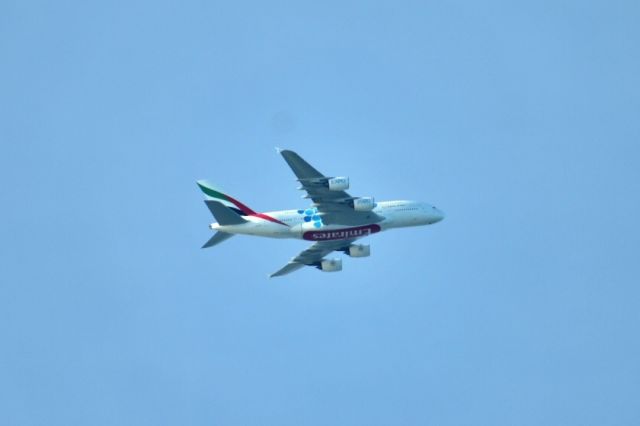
(214, 193)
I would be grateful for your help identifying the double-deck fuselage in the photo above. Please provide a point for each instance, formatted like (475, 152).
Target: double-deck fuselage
(307, 224)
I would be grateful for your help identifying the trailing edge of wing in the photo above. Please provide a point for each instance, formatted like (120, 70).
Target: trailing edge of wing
(287, 269)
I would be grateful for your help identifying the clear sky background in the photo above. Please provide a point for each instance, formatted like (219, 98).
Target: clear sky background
(519, 119)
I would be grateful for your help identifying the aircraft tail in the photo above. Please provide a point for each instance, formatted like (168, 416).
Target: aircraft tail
(217, 239)
(214, 193)
(223, 214)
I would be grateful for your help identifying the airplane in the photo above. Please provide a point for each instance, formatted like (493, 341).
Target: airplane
(333, 222)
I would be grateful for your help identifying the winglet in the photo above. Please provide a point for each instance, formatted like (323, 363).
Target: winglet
(278, 149)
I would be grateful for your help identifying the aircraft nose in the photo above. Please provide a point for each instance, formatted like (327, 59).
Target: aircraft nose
(438, 215)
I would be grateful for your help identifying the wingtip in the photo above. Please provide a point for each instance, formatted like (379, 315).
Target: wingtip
(274, 274)
(283, 151)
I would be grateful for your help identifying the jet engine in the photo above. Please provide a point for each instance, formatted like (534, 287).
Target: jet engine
(358, 250)
(339, 183)
(330, 265)
(364, 204)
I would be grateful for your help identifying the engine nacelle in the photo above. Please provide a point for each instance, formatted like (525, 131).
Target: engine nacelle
(339, 183)
(331, 265)
(364, 204)
(359, 250)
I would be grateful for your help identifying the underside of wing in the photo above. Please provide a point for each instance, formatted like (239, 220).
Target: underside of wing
(287, 269)
(335, 206)
(314, 256)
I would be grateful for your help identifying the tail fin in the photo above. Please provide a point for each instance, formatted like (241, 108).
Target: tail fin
(224, 215)
(217, 239)
(217, 194)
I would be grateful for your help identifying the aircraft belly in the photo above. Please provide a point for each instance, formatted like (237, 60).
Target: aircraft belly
(273, 230)
(343, 233)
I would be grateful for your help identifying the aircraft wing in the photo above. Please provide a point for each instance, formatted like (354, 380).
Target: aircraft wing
(333, 206)
(312, 256)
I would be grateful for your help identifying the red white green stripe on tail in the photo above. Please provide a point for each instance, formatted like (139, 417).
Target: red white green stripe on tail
(242, 209)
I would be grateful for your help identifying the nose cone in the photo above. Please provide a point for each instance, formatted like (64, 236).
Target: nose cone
(436, 215)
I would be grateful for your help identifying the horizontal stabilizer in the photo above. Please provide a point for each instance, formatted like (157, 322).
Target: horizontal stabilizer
(217, 239)
(223, 214)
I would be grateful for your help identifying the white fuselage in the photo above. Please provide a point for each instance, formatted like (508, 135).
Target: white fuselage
(307, 224)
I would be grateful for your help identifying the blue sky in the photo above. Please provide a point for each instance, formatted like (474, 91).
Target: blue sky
(518, 119)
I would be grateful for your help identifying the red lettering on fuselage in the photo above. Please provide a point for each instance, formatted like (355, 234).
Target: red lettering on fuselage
(341, 234)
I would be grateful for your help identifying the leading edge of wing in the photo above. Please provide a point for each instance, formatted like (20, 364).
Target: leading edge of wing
(300, 167)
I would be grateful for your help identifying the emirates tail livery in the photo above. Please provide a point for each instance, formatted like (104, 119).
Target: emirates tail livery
(334, 221)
